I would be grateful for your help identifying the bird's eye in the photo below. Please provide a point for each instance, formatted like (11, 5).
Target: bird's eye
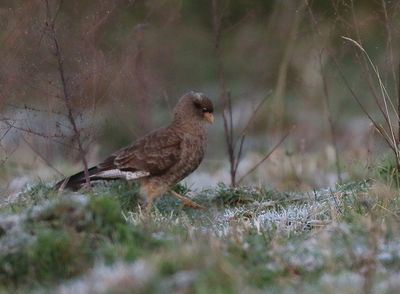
(204, 110)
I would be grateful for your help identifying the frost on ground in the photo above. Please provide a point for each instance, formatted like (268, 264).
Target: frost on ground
(118, 277)
(248, 240)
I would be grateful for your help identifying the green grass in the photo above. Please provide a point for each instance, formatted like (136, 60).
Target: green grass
(249, 239)
(388, 172)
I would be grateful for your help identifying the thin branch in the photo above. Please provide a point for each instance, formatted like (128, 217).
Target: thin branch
(364, 64)
(282, 75)
(326, 94)
(33, 132)
(385, 97)
(253, 116)
(229, 142)
(5, 133)
(230, 118)
(234, 151)
(239, 154)
(223, 95)
(43, 158)
(398, 107)
(355, 97)
(243, 134)
(394, 141)
(66, 95)
(32, 109)
(389, 43)
(267, 155)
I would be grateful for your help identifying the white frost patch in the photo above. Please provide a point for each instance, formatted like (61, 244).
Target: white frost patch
(200, 180)
(17, 183)
(78, 198)
(9, 222)
(344, 282)
(181, 280)
(118, 278)
(388, 251)
(13, 197)
(12, 233)
(389, 285)
(295, 217)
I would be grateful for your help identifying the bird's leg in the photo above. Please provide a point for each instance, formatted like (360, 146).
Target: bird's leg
(148, 206)
(186, 201)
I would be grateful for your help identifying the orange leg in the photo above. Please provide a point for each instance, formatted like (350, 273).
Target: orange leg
(149, 205)
(149, 192)
(186, 201)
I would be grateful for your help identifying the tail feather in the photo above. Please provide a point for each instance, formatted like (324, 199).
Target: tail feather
(75, 181)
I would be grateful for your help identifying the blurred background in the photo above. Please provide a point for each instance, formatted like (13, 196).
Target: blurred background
(118, 67)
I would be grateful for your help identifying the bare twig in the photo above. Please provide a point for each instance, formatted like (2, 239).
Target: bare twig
(398, 103)
(267, 155)
(50, 22)
(378, 127)
(326, 94)
(389, 44)
(373, 76)
(217, 22)
(234, 144)
(278, 100)
(364, 110)
(26, 107)
(139, 78)
(43, 158)
(390, 138)
(239, 154)
(29, 130)
(253, 116)
(5, 133)
(362, 59)
(229, 140)
(224, 96)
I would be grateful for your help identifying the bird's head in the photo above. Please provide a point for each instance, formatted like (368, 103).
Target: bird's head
(194, 106)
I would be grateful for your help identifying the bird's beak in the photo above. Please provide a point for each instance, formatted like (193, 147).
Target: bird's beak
(209, 117)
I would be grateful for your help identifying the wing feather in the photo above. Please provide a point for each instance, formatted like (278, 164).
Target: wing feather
(154, 153)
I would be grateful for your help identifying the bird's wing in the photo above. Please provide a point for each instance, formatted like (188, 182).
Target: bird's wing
(152, 154)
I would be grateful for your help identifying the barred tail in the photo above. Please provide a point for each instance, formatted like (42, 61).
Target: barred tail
(76, 181)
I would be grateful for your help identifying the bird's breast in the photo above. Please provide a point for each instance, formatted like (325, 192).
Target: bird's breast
(193, 149)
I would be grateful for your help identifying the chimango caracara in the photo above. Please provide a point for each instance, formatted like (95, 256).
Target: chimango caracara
(161, 158)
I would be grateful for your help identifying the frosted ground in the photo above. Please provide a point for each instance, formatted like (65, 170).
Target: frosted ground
(249, 239)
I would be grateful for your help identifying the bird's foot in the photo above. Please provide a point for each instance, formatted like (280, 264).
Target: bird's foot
(186, 201)
(145, 206)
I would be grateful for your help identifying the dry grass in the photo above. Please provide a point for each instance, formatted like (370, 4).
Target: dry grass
(249, 239)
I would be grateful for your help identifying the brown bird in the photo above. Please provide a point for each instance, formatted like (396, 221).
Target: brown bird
(161, 158)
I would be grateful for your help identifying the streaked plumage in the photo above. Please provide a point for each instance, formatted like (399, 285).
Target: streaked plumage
(161, 158)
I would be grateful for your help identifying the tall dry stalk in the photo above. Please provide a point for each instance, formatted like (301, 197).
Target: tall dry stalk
(278, 104)
(324, 80)
(3, 150)
(373, 80)
(388, 111)
(66, 95)
(234, 144)
(224, 96)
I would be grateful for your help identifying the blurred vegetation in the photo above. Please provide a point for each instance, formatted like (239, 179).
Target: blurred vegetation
(127, 62)
(299, 226)
(249, 239)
